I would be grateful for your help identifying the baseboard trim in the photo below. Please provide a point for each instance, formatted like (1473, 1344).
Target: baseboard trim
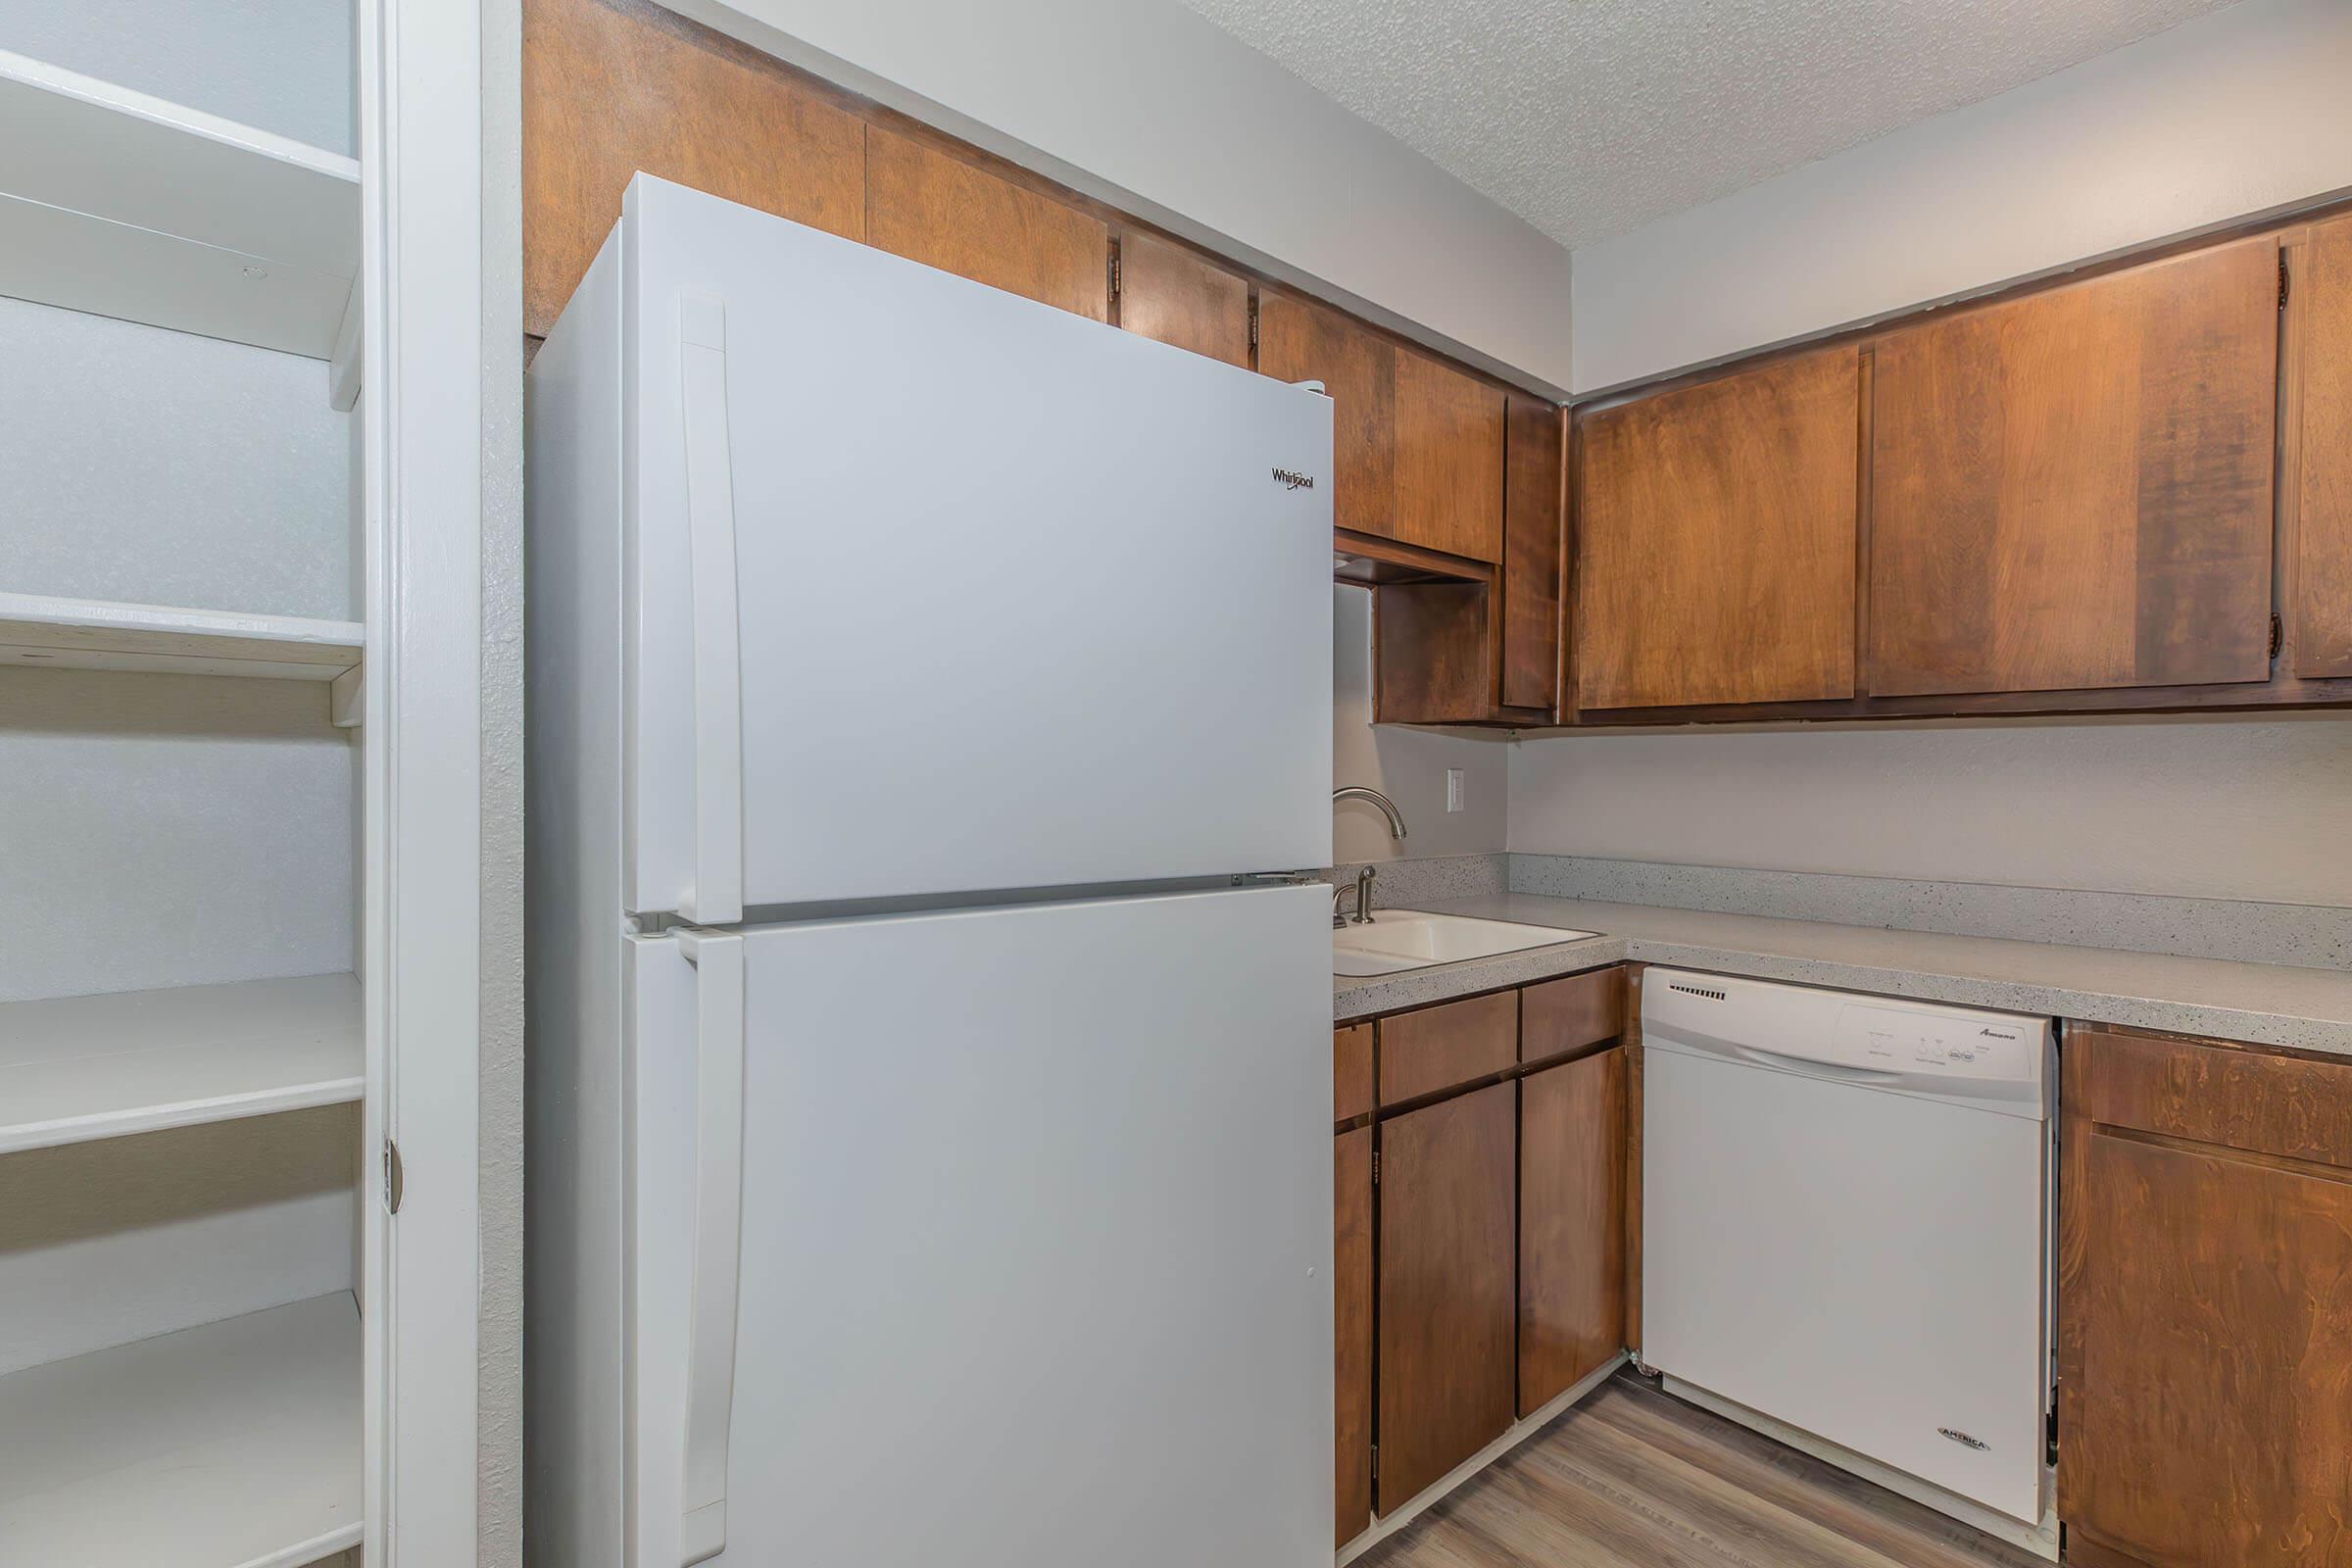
(1519, 1432)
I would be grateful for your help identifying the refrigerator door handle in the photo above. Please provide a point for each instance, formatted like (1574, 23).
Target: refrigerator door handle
(717, 958)
(717, 896)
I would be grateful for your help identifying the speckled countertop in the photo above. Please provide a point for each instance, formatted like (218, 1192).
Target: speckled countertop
(2267, 1004)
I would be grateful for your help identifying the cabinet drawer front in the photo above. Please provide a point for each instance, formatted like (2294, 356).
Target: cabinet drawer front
(1437, 1048)
(2249, 1100)
(1567, 1015)
(1351, 1072)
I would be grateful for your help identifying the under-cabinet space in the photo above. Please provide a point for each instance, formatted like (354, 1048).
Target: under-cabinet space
(231, 1445)
(2074, 489)
(81, 1069)
(1447, 1297)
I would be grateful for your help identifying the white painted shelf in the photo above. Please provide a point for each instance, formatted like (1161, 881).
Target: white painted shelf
(126, 204)
(98, 634)
(231, 1446)
(79, 1068)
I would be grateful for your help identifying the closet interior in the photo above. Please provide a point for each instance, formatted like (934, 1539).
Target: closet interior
(182, 744)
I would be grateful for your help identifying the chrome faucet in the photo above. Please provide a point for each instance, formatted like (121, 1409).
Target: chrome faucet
(1364, 876)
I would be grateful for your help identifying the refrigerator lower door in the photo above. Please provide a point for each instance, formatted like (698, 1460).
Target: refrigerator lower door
(937, 590)
(1008, 1245)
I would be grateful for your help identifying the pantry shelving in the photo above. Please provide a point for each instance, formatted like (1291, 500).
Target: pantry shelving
(70, 633)
(233, 1444)
(79, 1068)
(121, 204)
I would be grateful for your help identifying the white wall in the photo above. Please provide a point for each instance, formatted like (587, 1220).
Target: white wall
(2215, 808)
(2237, 113)
(283, 66)
(1148, 105)
(1408, 766)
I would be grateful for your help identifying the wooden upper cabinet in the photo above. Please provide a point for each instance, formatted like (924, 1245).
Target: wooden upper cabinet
(1715, 540)
(930, 206)
(2074, 489)
(1528, 628)
(1447, 1297)
(611, 88)
(1169, 293)
(1449, 441)
(1301, 341)
(2323, 565)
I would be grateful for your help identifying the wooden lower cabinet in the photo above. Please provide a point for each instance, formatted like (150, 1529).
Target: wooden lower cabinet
(2205, 1292)
(1351, 1296)
(1448, 1304)
(1572, 1128)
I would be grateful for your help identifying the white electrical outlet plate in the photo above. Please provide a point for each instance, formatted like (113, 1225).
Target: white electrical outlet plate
(1454, 789)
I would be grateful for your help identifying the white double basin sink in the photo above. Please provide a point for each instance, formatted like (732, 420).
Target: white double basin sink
(1396, 939)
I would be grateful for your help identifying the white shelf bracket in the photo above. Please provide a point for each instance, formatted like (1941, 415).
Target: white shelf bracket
(343, 365)
(347, 698)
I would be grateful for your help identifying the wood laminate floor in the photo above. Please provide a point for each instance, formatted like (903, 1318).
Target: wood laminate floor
(1632, 1478)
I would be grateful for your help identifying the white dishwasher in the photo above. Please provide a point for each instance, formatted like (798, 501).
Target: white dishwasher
(1847, 1207)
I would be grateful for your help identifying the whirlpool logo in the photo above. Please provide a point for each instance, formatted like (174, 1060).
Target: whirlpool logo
(1293, 479)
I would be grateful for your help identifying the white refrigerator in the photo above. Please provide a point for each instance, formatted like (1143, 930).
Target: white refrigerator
(930, 1100)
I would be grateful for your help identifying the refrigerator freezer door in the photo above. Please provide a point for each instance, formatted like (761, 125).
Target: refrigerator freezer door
(935, 589)
(1034, 1239)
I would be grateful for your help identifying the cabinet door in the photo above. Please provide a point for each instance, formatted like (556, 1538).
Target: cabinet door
(1297, 341)
(1572, 1121)
(1450, 440)
(2214, 1424)
(1352, 1296)
(1529, 625)
(1169, 293)
(1446, 1301)
(610, 89)
(1715, 541)
(2322, 602)
(934, 208)
(1351, 1072)
(2073, 490)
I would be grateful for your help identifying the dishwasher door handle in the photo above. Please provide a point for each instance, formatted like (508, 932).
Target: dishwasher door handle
(1811, 1069)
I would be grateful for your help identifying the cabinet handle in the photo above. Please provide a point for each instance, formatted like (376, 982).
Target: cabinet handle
(717, 896)
(711, 1298)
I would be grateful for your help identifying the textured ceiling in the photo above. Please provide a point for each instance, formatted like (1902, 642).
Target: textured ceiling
(1589, 117)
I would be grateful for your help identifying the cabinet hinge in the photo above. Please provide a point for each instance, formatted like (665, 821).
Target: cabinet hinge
(395, 1178)
(1376, 1461)
(1114, 271)
(1376, 1168)
(2277, 634)
(2282, 280)
(1253, 324)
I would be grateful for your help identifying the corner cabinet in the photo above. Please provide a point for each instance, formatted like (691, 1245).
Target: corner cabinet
(2205, 1300)
(1479, 1167)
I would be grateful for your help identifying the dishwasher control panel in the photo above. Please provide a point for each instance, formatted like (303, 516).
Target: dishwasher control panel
(1923, 1048)
(1962, 1044)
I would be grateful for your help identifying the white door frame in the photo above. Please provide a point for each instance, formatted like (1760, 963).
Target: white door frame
(421, 150)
